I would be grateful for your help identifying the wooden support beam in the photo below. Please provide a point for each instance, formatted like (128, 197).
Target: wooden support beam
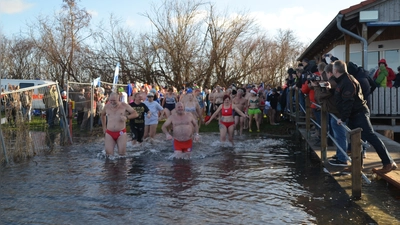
(375, 35)
(347, 40)
(365, 36)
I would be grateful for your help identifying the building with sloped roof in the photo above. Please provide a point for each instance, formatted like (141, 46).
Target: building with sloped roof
(363, 33)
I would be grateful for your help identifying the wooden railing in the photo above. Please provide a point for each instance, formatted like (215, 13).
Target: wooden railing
(385, 101)
(355, 138)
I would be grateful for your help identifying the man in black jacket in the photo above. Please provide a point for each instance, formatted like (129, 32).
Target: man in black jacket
(367, 84)
(354, 111)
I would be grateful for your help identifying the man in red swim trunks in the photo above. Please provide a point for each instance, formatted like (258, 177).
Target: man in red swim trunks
(185, 130)
(114, 127)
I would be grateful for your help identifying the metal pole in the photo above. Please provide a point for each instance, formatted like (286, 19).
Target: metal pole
(324, 131)
(91, 106)
(1, 132)
(64, 118)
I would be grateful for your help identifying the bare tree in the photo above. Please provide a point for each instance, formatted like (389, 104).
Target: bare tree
(177, 39)
(62, 38)
(226, 34)
(284, 55)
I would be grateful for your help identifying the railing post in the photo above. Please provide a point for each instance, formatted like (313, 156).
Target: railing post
(291, 104)
(308, 117)
(296, 94)
(355, 139)
(324, 132)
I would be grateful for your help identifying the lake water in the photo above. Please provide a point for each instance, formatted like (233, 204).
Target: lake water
(261, 180)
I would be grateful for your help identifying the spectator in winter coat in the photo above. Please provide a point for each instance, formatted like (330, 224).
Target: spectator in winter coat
(367, 84)
(397, 80)
(391, 75)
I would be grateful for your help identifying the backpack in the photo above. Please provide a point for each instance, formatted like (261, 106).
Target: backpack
(370, 80)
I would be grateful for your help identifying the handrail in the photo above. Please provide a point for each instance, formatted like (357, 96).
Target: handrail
(355, 138)
(348, 130)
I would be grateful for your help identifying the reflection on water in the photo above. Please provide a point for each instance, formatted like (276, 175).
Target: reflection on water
(259, 181)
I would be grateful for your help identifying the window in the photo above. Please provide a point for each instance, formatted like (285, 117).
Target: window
(373, 59)
(392, 58)
(356, 58)
(25, 85)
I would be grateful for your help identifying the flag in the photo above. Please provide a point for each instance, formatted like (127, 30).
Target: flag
(130, 89)
(114, 88)
(96, 82)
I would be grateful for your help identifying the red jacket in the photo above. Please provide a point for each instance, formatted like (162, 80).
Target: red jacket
(391, 75)
(310, 92)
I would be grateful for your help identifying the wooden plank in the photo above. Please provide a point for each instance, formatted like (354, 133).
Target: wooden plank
(387, 99)
(381, 101)
(374, 105)
(393, 177)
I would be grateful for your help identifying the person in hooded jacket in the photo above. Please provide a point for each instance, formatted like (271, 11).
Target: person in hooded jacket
(366, 82)
(391, 75)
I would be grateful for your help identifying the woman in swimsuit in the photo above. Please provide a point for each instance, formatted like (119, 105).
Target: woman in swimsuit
(227, 121)
(254, 110)
(168, 103)
(192, 105)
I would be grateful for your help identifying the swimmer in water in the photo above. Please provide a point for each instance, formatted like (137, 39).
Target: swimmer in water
(185, 130)
(226, 122)
(114, 127)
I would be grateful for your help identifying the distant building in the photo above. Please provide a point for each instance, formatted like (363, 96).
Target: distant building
(377, 22)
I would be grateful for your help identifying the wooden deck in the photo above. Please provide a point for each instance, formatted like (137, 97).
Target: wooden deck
(372, 161)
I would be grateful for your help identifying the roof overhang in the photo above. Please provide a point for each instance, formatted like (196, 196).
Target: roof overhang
(331, 33)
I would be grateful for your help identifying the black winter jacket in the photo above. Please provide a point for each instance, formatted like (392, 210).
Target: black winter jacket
(349, 97)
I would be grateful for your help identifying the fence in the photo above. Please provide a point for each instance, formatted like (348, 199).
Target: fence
(385, 101)
(88, 104)
(16, 139)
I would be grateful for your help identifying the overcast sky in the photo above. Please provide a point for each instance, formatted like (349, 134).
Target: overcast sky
(307, 18)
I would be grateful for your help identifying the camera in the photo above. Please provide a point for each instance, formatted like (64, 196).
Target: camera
(314, 78)
(326, 55)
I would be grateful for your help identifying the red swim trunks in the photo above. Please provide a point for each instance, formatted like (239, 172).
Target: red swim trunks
(115, 134)
(184, 146)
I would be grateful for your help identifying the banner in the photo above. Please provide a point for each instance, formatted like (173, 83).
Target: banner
(129, 89)
(96, 82)
(114, 88)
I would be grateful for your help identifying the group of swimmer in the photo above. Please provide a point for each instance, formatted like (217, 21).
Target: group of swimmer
(184, 116)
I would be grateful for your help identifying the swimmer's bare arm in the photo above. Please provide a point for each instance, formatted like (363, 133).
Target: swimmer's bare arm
(195, 125)
(103, 118)
(237, 110)
(132, 113)
(198, 110)
(214, 114)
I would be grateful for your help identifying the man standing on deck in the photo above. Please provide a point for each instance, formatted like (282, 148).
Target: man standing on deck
(115, 126)
(183, 125)
(354, 111)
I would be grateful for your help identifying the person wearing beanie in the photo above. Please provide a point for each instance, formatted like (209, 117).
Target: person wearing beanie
(390, 74)
(123, 96)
